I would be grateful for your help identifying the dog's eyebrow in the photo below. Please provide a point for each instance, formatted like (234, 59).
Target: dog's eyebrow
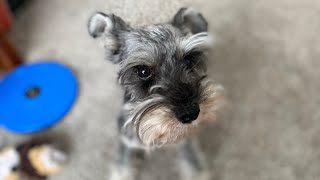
(201, 41)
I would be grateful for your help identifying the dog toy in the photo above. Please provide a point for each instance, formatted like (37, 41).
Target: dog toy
(34, 159)
(9, 160)
(34, 96)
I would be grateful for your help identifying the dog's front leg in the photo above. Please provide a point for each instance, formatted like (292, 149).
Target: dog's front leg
(192, 162)
(128, 164)
(130, 155)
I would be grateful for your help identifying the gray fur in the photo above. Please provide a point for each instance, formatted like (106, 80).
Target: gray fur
(191, 161)
(175, 53)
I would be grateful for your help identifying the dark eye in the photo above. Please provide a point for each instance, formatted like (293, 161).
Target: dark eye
(144, 72)
(192, 59)
(188, 63)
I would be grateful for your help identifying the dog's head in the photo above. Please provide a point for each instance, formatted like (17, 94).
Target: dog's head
(163, 72)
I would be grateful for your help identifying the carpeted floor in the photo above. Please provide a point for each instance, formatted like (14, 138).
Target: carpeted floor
(267, 57)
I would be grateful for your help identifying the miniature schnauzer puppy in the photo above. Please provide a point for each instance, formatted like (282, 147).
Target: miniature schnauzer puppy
(167, 93)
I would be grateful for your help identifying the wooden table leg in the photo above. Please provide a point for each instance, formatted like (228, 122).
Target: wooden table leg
(9, 57)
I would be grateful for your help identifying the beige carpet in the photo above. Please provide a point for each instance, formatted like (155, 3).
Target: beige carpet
(267, 57)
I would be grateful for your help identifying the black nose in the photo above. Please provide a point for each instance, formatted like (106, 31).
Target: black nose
(187, 114)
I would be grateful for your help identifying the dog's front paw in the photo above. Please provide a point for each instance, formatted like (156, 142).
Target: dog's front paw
(194, 171)
(121, 173)
(204, 175)
(199, 175)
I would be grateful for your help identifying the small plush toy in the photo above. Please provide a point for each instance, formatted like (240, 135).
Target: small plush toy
(34, 159)
(9, 160)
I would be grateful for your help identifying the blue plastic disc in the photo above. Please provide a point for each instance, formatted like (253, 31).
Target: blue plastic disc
(35, 96)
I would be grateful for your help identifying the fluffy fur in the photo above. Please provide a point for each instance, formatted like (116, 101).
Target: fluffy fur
(163, 73)
(166, 49)
(156, 125)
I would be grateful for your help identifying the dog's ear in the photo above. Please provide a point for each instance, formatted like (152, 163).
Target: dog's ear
(110, 27)
(100, 23)
(190, 21)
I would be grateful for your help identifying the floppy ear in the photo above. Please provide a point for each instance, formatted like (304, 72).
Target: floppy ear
(111, 27)
(100, 23)
(190, 21)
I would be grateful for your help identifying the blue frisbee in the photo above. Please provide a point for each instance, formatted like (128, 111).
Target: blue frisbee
(35, 96)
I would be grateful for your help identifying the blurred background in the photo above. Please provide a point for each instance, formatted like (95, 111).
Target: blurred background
(266, 56)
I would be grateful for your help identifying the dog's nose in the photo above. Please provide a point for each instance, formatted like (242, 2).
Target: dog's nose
(187, 114)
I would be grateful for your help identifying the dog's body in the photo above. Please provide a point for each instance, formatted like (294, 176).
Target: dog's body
(167, 94)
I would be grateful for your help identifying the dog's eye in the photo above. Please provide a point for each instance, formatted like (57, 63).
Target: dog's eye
(144, 72)
(191, 59)
(188, 63)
